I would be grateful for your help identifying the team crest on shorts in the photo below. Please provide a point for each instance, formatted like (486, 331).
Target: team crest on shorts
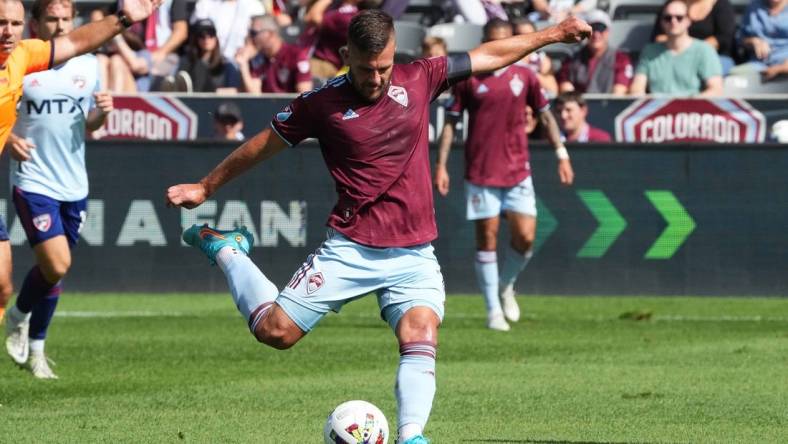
(42, 222)
(399, 95)
(314, 282)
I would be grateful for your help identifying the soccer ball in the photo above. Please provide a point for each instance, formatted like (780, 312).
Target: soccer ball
(356, 422)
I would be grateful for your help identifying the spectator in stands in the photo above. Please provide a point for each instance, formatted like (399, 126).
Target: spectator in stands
(228, 122)
(571, 109)
(556, 11)
(121, 65)
(231, 18)
(160, 36)
(329, 27)
(764, 33)
(597, 68)
(712, 21)
(681, 65)
(270, 65)
(203, 68)
(538, 61)
(433, 47)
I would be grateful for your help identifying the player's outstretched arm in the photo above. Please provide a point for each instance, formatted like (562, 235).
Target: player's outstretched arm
(499, 53)
(89, 37)
(260, 147)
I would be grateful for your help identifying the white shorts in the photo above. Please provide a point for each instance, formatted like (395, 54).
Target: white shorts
(342, 270)
(486, 202)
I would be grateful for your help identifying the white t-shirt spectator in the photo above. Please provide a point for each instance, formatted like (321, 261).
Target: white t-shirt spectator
(231, 18)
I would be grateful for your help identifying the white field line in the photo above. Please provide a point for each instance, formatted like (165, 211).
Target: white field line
(530, 317)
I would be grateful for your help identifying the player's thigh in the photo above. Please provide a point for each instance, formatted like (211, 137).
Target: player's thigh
(482, 202)
(521, 198)
(415, 281)
(6, 267)
(338, 272)
(521, 226)
(40, 216)
(53, 256)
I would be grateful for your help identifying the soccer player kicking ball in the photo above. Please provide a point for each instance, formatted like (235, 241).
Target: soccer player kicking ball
(372, 125)
(48, 175)
(20, 57)
(498, 173)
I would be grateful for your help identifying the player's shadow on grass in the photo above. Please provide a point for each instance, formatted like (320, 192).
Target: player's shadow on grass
(547, 441)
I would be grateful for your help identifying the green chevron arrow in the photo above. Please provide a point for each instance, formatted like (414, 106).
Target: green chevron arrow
(611, 224)
(680, 224)
(546, 224)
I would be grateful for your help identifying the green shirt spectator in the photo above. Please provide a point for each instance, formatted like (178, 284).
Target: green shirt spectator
(681, 65)
(683, 73)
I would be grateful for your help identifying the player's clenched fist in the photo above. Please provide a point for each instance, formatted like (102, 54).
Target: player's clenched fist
(103, 102)
(573, 30)
(188, 195)
(137, 10)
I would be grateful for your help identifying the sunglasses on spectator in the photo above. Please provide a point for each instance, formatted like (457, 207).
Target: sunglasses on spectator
(598, 27)
(667, 18)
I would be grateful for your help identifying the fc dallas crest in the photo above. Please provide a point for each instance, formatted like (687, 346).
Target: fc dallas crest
(79, 81)
(42, 222)
(399, 95)
(314, 283)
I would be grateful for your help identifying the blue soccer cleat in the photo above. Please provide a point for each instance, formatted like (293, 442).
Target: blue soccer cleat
(418, 439)
(211, 240)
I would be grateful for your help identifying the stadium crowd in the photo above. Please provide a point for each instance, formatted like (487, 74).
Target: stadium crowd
(253, 46)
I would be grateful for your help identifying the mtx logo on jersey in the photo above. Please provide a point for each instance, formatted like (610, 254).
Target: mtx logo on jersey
(314, 283)
(55, 106)
(399, 95)
(42, 222)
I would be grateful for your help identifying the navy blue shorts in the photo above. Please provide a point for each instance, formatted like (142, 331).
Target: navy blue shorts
(3, 230)
(44, 218)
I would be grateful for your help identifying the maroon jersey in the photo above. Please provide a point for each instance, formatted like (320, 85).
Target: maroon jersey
(333, 34)
(496, 152)
(282, 72)
(590, 134)
(377, 152)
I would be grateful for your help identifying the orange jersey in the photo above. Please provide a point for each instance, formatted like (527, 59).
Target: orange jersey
(30, 56)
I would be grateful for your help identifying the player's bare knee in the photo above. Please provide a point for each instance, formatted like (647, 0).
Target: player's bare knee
(418, 324)
(277, 332)
(522, 244)
(55, 270)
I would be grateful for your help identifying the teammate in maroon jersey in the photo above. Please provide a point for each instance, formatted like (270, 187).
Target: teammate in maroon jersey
(372, 125)
(498, 173)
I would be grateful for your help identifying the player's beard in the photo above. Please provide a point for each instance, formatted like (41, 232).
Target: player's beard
(373, 95)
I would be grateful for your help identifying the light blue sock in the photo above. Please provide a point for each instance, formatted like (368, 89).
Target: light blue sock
(252, 292)
(487, 276)
(415, 387)
(514, 262)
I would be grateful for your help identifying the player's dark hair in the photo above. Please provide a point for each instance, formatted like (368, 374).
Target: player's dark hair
(40, 6)
(495, 24)
(569, 97)
(370, 31)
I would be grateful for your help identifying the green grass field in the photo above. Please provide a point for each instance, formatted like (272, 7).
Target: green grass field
(182, 368)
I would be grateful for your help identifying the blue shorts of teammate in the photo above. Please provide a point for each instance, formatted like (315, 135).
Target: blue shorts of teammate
(483, 202)
(3, 230)
(44, 218)
(342, 270)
